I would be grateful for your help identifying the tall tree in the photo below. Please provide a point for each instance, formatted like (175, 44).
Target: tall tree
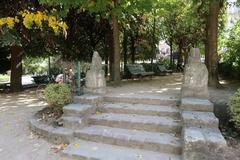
(211, 54)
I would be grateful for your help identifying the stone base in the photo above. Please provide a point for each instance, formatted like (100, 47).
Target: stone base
(195, 104)
(202, 143)
(191, 91)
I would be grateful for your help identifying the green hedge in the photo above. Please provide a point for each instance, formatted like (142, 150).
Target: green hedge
(234, 108)
(58, 95)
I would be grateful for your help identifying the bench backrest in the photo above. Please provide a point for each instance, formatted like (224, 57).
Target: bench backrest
(162, 68)
(135, 68)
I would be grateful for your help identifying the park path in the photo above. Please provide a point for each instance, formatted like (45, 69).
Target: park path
(16, 140)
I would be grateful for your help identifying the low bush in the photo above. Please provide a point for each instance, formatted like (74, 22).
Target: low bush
(234, 108)
(58, 95)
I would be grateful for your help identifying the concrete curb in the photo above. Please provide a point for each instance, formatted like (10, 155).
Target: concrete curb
(54, 135)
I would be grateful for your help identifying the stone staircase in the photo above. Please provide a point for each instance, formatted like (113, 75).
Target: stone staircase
(124, 128)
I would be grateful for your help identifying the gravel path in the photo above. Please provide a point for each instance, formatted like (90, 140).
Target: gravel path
(16, 140)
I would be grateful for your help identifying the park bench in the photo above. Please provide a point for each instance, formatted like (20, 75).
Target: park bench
(138, 71)
(41, 79)
(162, 70)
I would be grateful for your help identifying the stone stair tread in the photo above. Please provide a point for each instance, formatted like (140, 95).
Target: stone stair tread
(99, 151)
(133, 118)
(141, 96)
(71, 118)
(77, 107)
(132, 135)
(142, 99)
(196, 101)
(144, 107)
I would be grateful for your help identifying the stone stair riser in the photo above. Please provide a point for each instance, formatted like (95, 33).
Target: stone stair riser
(74, 124)
(163, 148)
(86, 113)
(137, 126)
(139, 112)
(169, 102)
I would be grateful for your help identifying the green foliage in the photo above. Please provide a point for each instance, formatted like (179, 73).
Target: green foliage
(234, 108)
(4, 78)
(232, 55)
(35, 65)
(58, 95)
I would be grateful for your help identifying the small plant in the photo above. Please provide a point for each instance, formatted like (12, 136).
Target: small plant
(234, 108)
(58, 95)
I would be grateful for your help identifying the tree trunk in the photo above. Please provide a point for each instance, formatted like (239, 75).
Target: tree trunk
(180, 60)
(16, 69)
(171, 53)
(116, 42)
(211, 44)
(110, 53)
(133, 49)
(153, 40)
(125, 50)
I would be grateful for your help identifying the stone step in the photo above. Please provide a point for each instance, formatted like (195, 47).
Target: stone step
(194, 104)
(73, 122)
(141, 109)
(140, 122)
(88, 99)
(198, 141)
(78, 110)
(142, 99)
(153, 141)
(200, 119)
(91, 150)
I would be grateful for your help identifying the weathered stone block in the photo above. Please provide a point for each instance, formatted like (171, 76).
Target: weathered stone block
(195, 104)
(95, 78)
(195, 81)
(199, 119)
(202, 143)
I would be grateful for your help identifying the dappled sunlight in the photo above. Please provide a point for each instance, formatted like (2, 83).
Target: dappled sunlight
(26, 99)
(167, 85)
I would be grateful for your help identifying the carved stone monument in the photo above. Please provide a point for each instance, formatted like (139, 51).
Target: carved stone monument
(95, 78)
(195, 81)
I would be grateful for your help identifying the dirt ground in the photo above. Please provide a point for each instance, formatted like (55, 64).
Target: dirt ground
(16, 140)
(18, 143)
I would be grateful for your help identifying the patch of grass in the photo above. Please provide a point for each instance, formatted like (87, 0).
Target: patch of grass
(4, 78)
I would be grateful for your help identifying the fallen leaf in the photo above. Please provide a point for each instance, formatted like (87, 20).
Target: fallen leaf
(76, 145)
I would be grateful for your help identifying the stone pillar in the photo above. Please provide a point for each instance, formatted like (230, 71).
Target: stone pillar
(195, 81)
(202, 140)
(95, 78)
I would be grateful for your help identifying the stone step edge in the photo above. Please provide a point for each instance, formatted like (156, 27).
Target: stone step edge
(100, 151)
(146, 144)
(57, 136)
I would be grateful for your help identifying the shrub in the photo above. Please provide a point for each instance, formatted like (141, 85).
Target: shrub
(234, 108)
(58, 95)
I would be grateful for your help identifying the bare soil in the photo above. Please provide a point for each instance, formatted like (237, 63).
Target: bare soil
(51, 116)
